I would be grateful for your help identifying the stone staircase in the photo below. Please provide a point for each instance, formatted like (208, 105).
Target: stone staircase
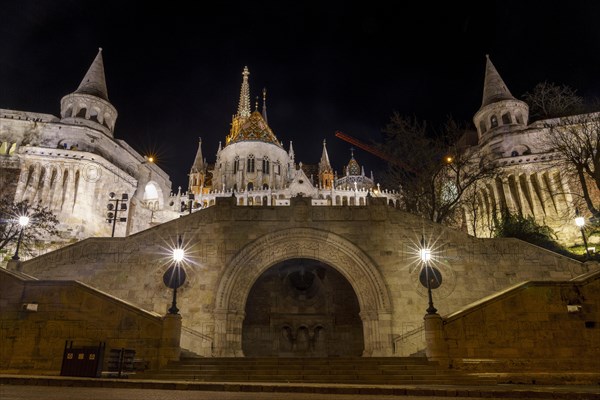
(347, 370)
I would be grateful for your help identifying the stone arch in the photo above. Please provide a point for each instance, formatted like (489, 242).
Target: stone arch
(259, 255)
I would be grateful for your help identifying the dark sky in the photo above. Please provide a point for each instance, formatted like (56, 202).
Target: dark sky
(174, 71)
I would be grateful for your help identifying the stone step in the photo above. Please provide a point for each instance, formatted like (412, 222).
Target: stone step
(380, 370)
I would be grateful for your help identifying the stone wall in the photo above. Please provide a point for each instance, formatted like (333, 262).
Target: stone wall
(542, 325)
(374, 247)
(32, 338)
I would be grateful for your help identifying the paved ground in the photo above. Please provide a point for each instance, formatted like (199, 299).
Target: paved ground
(24, 392)
(17, 387)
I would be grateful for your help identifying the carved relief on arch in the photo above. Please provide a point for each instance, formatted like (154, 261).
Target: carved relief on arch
(256, 257)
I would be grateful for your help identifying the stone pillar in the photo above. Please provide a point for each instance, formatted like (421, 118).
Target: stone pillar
(228, 333)
(437, 349)
(170, 349)
(376, 333)
(13, 265)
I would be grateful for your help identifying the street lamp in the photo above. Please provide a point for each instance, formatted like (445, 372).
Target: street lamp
(175, 275)
(580, 222)
(23, 221)
(430, 277)
(113, 210)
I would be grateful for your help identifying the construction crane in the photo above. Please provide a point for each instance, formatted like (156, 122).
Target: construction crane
(373, 150)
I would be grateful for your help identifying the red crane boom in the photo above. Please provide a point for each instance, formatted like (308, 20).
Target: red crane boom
(371, 149)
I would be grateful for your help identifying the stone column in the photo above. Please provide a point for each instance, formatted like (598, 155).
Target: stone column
(437, 349)
(170, 349)
(228, 333)
(376, 333)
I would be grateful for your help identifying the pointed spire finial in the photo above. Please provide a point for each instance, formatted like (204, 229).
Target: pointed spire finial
(256, 104)
(244, 105)
(351, 152)
(94, 81)
(324, 163)
(264, 105)
(494, 88)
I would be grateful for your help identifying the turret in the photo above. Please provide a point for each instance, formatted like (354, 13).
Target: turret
(325, 170)
(500, 112)
(89, 104)
(198, 171)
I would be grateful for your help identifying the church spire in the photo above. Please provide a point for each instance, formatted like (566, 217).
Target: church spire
(199, 164)
(324, 163)
(244, 105)
(94, 81)
(264, 106)
(494, 88)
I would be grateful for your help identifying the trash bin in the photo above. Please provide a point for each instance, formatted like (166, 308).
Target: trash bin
(85, 361)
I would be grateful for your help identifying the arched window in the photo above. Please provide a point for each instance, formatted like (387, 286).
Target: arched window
(81, 113)
(519, 118)
(265, 165)
(94, 115)
(494, 121)
(265, 186)
(506, 119)
(69, 111)
(482, 127)
(236, 164)
(514, 153)
(250, 186)
(277, 168)
(250, 163)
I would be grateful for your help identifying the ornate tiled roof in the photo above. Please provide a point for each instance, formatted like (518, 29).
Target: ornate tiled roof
(353, 168)
(254, 128)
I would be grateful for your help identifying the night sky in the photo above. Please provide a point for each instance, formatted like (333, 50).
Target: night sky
(174, 72)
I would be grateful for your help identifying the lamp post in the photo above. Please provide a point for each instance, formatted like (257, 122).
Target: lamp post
(580, 222)
(113, 209)
(23, 221)
(430, 277)
(175, 275)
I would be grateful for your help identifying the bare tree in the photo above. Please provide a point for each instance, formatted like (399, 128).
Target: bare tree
(42, 224)
(548, 100)
(576, 140)
(434, 168)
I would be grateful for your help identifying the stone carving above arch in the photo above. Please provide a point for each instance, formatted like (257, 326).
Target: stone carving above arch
(256, 257)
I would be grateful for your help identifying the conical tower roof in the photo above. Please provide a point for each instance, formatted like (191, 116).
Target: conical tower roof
(353, 168)
(324, 163)
(199, 164)
(494, 88)
(94, 81)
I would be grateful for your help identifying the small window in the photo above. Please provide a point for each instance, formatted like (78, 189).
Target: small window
(506, 119)
(514, 153)
(266, 165)
(494, 121)
(236, 164)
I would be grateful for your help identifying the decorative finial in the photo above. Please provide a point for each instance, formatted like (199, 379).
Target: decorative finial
(99, 48)
(324, 142)
(264, 108)
(352, 152)
(256, 105)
